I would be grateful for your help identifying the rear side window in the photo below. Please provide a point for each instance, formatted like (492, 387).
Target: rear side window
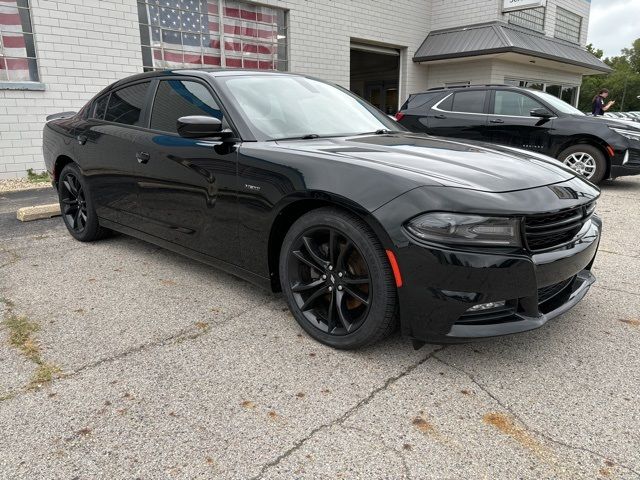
(469, 102)
(126, 104)
(514, 103)
(417, 100)
(180, 98)
(99, 107)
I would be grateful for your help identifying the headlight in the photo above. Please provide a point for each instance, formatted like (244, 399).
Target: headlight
(630, 134)
(461, 229)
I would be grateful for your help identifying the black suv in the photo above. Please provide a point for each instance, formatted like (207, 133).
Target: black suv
(596, 147)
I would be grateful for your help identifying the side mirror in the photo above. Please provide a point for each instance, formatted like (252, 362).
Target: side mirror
(200, 126)
(541, 113)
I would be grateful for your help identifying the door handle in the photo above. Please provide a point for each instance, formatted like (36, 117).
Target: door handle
(143, 157)
(496, 120)
(440, 117)
(82, 139)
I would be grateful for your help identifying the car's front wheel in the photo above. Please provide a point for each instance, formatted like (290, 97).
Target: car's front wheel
(586, 160)
(337, 280)
(76, 206)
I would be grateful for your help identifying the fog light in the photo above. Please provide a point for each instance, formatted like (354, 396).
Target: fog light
(487, 306)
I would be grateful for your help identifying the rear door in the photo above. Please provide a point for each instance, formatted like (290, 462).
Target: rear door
(510, 122)
(188, 185)
(462, 114)
(106, 150)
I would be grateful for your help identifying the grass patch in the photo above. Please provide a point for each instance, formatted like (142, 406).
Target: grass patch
(44, 374)
(22, 337)
(21, 332)
(34, 177)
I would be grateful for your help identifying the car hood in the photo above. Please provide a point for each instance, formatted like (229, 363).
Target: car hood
(614, 122)
(438, 161)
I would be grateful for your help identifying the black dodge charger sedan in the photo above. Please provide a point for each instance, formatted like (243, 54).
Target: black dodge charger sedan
(301, 187)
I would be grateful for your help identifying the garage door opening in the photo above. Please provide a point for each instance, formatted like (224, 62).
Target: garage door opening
(375, 75)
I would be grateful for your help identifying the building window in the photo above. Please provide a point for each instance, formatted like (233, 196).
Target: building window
(18, 62)
(532, 18)
(568, 93)
(568, 25)
(206, 33)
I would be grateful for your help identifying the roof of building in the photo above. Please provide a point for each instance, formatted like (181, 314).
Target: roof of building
(500, 37)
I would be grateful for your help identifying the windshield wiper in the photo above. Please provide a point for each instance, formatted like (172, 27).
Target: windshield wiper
(308, 136)
(382, 131)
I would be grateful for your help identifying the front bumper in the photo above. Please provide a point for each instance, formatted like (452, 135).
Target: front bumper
(440, 285)
(626, 162)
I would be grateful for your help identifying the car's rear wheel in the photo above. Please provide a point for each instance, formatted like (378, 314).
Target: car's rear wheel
(76, 206)
(337, 280)
(586, 160)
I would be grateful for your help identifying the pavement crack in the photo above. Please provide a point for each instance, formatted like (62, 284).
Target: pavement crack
(616, 290)
(187, 333)
(611, 252)
(519, 418)
(345, 416)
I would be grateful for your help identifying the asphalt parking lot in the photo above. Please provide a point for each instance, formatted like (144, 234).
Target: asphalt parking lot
(139, 363)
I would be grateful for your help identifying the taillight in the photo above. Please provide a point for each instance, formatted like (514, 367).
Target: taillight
(399, 116)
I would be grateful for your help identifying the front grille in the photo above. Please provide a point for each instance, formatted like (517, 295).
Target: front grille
(550, 230)
(550, 291)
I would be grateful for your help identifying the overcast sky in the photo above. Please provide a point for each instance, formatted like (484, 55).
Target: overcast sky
(614, 24)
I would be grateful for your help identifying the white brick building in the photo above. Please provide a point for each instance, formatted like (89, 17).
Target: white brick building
(56, 54)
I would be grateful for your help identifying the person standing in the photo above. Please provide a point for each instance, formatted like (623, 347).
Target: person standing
(599, 107)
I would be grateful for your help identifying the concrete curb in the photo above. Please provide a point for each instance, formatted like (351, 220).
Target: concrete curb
(27, 214)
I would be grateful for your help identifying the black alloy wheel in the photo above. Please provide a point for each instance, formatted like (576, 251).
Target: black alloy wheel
(73, 203)
(337, 281)
(330, 280)
(77, 207)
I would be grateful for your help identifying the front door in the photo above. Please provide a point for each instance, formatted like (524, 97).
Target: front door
(187, 186)
(510, 122)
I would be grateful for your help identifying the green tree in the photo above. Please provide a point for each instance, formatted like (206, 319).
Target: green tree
(623, 82)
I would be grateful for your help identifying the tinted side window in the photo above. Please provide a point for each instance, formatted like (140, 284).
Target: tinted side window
(418, 100)
(99, 107)
(179, 98)
(469, 102)
(126, 104)
(446, 104)
(513, 103)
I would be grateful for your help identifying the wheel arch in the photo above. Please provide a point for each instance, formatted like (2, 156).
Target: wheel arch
(60, 162)
(591, 140)
(294, 208)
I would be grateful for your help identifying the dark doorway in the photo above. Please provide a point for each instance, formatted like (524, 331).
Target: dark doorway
(375, 75)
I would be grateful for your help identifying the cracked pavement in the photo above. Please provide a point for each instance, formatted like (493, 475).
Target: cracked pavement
(172, 369)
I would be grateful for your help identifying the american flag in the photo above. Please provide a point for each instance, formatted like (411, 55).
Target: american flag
(14, 28)
(188, 32)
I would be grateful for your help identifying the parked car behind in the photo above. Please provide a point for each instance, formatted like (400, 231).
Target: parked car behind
(633, 116)
(595, 147)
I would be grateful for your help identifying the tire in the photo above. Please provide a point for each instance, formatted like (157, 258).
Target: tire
(76, 206)
(585, 159)
(344, 297)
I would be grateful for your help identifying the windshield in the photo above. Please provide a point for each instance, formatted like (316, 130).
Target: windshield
(556, 103)
(281, 106)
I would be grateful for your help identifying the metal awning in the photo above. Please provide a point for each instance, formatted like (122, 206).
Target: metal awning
(499, 37)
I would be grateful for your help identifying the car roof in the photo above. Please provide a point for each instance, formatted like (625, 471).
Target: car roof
(472, 87)
(199, 72)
